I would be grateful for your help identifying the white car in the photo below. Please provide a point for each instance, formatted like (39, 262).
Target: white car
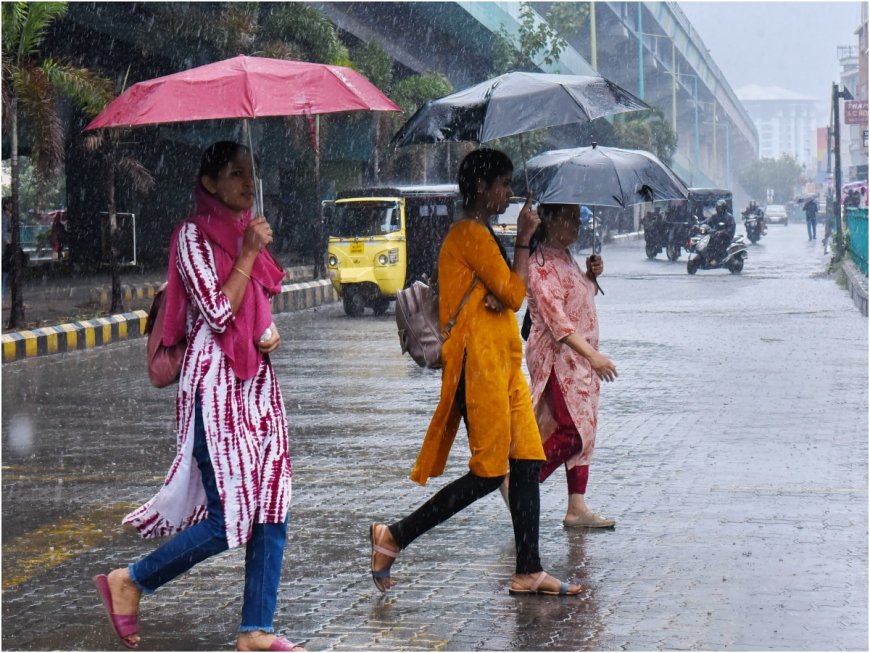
(776, 213)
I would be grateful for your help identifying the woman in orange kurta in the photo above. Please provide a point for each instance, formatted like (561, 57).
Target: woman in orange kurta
(482, 382)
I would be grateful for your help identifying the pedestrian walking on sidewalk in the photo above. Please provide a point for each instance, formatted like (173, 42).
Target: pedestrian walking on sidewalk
(482, 382)
(229, 484)
(562, 356)
(811, 209)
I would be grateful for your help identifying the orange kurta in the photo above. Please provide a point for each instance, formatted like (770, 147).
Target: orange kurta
(501, 421)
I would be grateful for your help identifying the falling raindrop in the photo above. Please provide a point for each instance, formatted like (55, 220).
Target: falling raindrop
(21, 435)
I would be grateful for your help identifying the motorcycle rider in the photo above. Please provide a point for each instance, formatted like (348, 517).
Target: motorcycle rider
(753, 210)
(724, 227)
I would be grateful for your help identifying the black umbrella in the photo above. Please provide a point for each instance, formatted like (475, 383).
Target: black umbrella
(602, 176)
(803, 198)
(515, 103)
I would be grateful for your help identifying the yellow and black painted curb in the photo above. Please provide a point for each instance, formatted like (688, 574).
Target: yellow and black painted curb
(85, 334)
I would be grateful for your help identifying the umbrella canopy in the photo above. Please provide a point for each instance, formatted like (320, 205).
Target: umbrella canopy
(601, 176)
(243, 87)
(805, 197)
(515, 103)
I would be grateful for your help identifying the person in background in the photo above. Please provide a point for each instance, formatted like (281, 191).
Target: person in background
(811, 209)
(482, 383)
(562, 356)
(229, 484)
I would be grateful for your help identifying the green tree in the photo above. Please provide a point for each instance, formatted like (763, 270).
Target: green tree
(106, 145)
(646, 130)
(781, 174)
(33, 87)
(535, 43)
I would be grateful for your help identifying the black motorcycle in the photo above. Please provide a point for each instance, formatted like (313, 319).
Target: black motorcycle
(655, 234)
(753, 222)
(589, 239)
(705, 249)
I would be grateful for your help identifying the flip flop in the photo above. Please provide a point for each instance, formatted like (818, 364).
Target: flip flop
(123, 624)
(284, 644)
(381, 576)
(535, 588)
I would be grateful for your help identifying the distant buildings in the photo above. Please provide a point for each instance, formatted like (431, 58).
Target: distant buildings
(853, 131)
(786, 122)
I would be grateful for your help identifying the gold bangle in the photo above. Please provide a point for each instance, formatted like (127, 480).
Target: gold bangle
(242, 272)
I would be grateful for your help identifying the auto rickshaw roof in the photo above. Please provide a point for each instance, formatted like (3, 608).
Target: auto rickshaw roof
(400, 191)
(706, 194)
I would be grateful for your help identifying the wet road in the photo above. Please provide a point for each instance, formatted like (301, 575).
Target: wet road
(732, 453)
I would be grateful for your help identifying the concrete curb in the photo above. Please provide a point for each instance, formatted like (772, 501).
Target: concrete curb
(86, 334)
(857, 285)
(102, 295)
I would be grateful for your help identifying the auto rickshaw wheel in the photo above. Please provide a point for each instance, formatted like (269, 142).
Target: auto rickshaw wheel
(651, 250)
(381, 305)
(353, 303)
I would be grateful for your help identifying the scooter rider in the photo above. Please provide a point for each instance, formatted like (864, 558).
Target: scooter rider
(724, 228)
(753, 210)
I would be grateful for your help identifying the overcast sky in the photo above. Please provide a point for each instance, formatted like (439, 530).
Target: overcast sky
(787, 44)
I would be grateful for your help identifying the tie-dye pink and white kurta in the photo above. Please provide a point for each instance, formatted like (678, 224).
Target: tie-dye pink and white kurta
(245, 423)
(561, 302)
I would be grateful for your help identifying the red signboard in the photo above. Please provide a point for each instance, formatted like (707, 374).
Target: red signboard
(856, 112)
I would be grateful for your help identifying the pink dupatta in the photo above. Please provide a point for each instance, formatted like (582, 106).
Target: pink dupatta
(225, 233)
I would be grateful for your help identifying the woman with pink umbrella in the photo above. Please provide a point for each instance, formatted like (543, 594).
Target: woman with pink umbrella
(229, 484)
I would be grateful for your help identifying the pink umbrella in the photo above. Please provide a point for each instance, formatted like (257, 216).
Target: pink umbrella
(244, 87)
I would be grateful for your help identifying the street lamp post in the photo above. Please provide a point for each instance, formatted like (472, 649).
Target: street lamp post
(836, 94)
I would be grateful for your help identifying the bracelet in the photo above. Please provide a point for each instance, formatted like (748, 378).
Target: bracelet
(242, 272)
(521, 247)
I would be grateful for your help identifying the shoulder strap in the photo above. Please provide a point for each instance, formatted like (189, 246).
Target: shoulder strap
(445, 332)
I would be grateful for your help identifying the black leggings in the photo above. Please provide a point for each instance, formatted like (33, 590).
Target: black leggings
(525, 506)
(523, 495)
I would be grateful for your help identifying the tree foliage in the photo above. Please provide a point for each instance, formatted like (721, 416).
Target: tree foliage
(781, 174)
(535, 43)
(646, 130)
(33, 87)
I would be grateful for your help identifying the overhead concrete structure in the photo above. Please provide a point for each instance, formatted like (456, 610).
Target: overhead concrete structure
(649, 48)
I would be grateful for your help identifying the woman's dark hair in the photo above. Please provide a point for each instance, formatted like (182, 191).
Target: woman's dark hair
(217, 156)
(485, 164)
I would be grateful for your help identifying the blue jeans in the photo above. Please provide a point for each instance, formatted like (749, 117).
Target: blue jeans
(263, 556)
(811, 228)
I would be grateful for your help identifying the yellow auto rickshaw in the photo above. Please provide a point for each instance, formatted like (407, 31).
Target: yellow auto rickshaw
(382, 239)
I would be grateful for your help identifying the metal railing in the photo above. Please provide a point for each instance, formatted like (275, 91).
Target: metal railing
(857, 221)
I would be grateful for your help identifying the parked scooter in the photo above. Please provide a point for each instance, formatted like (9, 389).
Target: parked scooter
(702, 256)
(655, 232)
(589, 239)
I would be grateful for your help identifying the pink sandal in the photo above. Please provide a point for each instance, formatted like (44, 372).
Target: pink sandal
(124, 624)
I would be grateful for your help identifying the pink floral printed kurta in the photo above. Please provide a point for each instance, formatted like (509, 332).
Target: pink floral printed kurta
(245, 423)
(562, 302)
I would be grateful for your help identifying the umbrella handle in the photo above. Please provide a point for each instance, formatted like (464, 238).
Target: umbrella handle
(258, 183)
(594, 277)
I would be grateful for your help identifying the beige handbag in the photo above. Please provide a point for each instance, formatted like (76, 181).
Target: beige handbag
(420, 333)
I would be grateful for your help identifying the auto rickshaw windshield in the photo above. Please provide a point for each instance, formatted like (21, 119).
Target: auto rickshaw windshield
(362, 220)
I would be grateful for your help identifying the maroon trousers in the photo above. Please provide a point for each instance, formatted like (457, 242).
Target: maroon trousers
(564, 442)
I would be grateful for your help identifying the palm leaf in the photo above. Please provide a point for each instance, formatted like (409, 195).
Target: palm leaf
(13, 16)
(136, 174)
(88, 91)
(38, 108)
(38, 18)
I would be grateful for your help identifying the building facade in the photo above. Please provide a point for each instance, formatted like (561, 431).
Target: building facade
(786, 123)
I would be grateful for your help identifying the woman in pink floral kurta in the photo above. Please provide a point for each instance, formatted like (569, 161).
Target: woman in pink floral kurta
(562, 355)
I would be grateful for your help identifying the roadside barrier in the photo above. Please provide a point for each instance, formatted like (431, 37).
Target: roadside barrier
(86, 334)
